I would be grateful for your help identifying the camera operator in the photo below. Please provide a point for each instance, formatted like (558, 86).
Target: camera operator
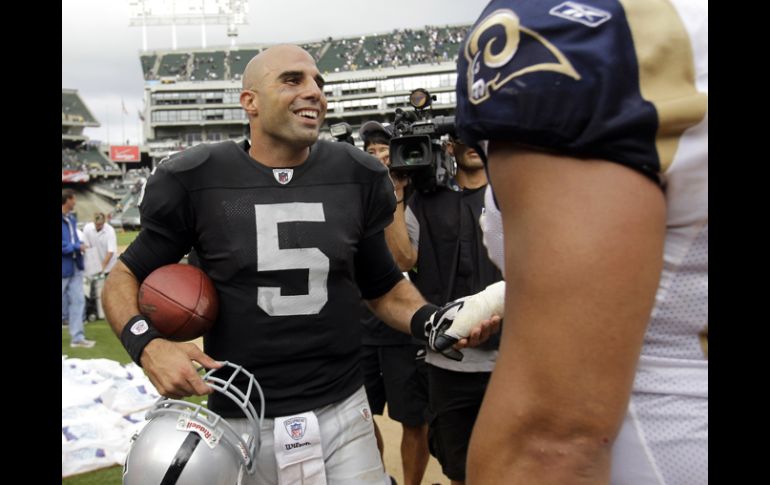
(452, 262)
(393, 362)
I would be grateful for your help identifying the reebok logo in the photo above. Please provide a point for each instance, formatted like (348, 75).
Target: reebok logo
(577, 12)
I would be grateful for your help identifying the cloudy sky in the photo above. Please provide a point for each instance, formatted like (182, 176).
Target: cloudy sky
(100, 52)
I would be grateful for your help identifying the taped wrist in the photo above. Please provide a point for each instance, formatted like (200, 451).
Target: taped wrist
(136, 334)
(419, 318)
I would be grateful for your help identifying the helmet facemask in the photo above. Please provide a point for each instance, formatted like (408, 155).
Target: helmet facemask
(187, 444)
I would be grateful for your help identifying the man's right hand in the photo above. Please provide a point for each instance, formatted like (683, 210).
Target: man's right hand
(169, 367)
(473, 317)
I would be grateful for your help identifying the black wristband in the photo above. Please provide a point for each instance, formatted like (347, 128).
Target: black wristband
(136, 334)
(419, 318)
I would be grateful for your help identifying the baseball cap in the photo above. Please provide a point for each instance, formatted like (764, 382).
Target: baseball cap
(371, 128)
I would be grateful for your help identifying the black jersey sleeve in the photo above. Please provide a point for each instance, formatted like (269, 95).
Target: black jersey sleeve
(376, 272)
(167, 225)
(150, 250)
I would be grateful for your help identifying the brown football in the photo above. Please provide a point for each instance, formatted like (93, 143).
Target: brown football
(180, 300)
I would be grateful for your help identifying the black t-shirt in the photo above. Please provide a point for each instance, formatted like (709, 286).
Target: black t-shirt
(280, 247)
(452, 261)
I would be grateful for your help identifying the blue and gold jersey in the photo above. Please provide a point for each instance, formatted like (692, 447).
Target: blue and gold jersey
(627, 82)
(600, 79)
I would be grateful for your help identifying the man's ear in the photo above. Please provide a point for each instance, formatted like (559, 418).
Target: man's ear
(249, 101)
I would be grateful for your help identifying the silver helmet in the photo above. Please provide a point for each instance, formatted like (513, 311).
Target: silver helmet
(188, 444)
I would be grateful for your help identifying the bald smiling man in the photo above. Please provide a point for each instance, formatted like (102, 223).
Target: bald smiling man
(290, 230)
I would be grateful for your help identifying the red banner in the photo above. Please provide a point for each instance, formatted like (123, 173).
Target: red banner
(74, 177)
(124, 153)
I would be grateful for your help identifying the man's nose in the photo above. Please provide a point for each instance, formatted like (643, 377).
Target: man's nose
(312, 90)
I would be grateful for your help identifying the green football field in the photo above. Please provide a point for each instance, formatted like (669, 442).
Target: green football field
(125, 237)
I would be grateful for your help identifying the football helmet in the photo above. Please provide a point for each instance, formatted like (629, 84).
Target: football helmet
(187, 444)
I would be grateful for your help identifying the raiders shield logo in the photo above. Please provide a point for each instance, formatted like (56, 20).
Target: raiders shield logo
(283, 175)
(295, 426)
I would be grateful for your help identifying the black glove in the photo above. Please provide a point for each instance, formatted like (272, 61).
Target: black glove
(445, 326)
(430, 323)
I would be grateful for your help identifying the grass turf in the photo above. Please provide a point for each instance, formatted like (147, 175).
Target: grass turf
(125, 237)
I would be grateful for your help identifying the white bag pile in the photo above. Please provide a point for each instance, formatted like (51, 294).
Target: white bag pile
(103, 406)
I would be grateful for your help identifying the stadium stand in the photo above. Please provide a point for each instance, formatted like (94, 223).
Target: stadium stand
(148, 66)
(192, 96)
(208, 66)
(174, 65)
(393, 49)
(238, 60)
(339, 55)
(73, 111)
(80, 161)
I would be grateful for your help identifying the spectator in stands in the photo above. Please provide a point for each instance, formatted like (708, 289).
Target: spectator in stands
(72, 271)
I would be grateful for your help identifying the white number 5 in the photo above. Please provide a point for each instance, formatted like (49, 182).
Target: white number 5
(270, 257)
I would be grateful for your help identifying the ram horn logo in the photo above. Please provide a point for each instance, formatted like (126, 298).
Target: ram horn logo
(489, 70)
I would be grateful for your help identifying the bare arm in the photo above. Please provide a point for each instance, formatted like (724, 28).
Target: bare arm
(107, 259)
(583, 255)
(397, 306)
(112, 246)
(397, 238)
(167, 364)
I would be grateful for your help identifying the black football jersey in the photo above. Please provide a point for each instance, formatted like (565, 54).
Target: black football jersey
(279, 245)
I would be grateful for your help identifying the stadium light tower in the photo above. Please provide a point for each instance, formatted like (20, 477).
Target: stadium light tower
(146, 13)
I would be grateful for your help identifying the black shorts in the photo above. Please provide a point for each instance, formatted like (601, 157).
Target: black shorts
(455, 399)
(392, 374)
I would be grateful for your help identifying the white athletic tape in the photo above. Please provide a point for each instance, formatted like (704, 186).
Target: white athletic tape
(478, 307)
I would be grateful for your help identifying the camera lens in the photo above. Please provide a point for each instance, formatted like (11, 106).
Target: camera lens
(413, 155)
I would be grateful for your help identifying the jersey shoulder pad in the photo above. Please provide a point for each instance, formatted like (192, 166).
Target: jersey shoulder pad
(359, 156)
(189, 158)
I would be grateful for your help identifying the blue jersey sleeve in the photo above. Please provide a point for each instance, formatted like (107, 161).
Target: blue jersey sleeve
(565, 77)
